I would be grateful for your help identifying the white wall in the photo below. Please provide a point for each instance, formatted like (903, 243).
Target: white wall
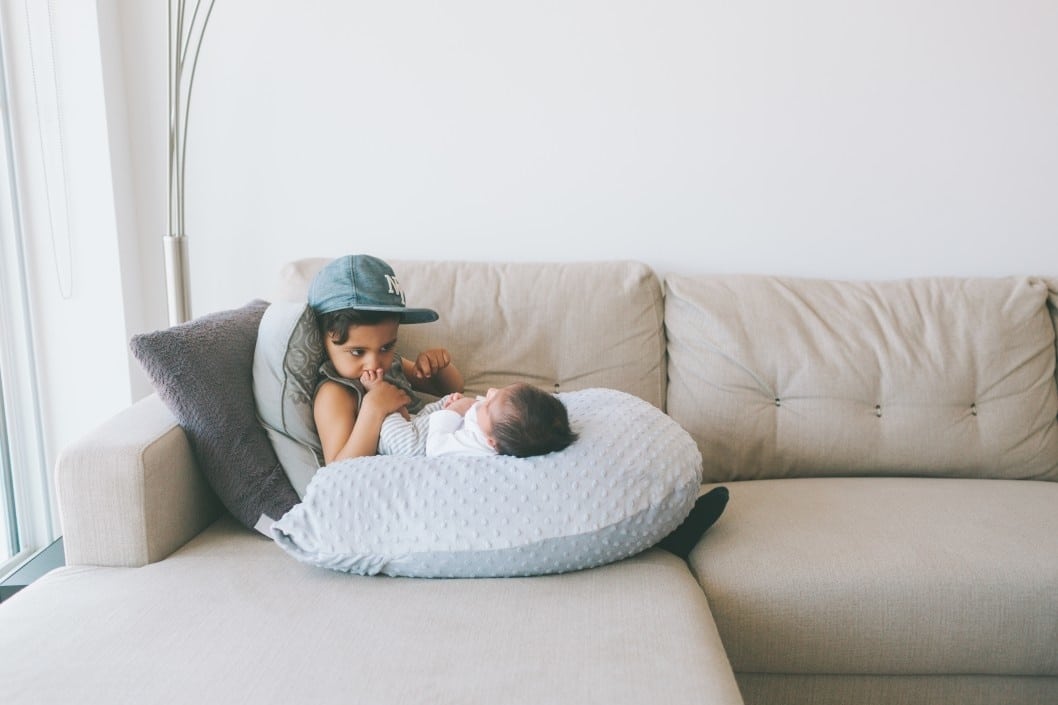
(879, 138)
(873, 139)
(819, 138)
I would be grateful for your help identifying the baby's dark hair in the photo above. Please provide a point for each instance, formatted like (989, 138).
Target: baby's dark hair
(335, 325)
(536, 424)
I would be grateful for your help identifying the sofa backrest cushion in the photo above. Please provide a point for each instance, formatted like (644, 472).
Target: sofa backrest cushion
(785, 377)
(560, 326)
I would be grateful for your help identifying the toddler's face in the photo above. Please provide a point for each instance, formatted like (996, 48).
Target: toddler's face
(368, 347)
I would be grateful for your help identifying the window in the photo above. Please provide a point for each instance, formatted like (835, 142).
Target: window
(9, 544)
(25, 508)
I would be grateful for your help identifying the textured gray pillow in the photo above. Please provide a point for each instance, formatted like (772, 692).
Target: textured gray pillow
(202, 370)
(629, 480)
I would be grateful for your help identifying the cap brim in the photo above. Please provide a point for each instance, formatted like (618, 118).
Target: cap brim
(407, 315)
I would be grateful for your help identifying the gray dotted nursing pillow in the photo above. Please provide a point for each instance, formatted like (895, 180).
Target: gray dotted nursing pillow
(630, 479)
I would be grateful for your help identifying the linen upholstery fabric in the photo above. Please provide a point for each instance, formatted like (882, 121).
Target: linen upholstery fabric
(286, 364)
(229, 618)
(129, 492)
(630, 478)
(203, 370)
(911, 576)
(559, 326)
(784, 377)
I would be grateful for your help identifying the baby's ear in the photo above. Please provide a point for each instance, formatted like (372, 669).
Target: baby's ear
(492, 443)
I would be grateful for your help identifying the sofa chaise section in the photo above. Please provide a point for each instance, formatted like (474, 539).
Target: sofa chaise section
(163, 602)
(229, 618)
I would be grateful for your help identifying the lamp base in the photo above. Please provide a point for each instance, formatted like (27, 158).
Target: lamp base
(176, 279)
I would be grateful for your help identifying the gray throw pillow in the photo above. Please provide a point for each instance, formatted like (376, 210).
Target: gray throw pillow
(286, 367)
(203, 371)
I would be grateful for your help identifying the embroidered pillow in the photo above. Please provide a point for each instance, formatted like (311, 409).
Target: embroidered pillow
(286, 361)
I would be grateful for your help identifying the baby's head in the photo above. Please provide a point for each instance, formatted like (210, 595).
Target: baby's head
(360, 304)
(523, 421)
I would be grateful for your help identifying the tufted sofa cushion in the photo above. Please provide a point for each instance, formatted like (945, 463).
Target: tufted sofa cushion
(784, 377)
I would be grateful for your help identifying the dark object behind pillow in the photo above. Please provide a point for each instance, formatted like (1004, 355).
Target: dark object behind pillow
(203, 371)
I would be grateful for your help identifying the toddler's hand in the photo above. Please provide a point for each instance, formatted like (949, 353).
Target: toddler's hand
(430, 361)
(371, 378)
(453, 397)
(387, 397)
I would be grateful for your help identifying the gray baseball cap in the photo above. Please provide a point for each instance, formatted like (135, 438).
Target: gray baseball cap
(364, 283)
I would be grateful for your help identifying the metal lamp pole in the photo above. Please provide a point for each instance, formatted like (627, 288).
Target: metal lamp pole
(185, 40)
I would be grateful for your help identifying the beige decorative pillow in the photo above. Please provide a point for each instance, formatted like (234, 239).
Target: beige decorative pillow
(785, 377)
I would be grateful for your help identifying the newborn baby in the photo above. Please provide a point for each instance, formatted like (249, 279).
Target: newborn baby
(519, 420)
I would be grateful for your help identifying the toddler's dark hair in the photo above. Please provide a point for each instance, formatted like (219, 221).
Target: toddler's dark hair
(335, 325)
(537, 424)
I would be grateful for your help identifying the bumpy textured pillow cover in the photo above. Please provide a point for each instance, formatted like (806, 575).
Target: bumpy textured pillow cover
(202, 371)
(628, 481)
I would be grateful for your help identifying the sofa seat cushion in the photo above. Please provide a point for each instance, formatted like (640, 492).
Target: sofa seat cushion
(229, 618)
(886, 576)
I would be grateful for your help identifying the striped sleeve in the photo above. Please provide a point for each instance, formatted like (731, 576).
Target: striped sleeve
(401, 436)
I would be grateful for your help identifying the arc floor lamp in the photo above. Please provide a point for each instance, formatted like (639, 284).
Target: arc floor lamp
(186, 31)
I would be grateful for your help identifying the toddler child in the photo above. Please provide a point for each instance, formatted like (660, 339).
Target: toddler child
(360, 305)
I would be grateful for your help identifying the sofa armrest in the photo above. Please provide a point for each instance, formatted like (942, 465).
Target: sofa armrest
(129, 493)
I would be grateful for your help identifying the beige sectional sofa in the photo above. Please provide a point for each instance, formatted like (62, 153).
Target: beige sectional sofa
(891, 450)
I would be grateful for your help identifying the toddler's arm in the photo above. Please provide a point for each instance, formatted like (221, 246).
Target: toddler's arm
(433, 373)
(346, 431)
